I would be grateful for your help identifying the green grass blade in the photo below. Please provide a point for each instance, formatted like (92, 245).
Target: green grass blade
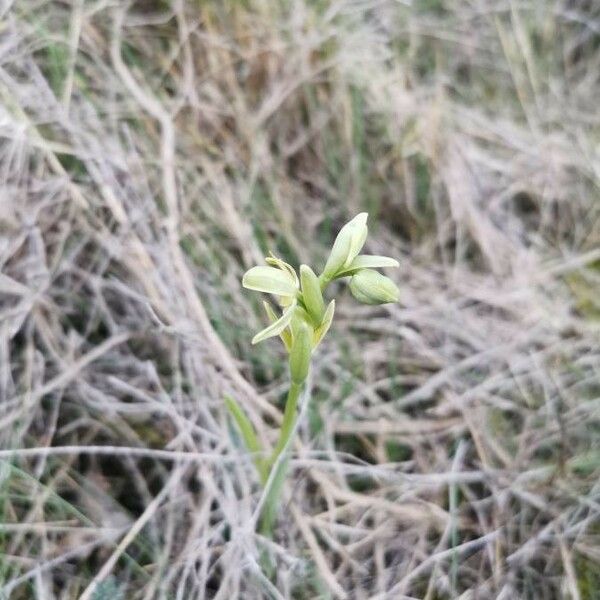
(248, 435)
(271, 505)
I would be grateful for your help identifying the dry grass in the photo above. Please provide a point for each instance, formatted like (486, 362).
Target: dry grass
(152, 151)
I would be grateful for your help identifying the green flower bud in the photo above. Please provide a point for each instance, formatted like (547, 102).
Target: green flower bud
(347, 245)
(371, 287)
(300, 354)
(311, 294)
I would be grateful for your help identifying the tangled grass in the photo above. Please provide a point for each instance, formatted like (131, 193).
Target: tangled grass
(152, 151)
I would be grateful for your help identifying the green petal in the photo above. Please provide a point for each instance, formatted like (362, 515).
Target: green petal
(286, 334)
(347, 245)
(359, 236)
(277, 327)
(367, 261)
(281, 264)
(338, 255)
(311, 294)
(270, 280)
(323, 328)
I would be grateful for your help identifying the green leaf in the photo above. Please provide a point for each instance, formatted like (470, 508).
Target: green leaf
(277, 327)
(271, 281)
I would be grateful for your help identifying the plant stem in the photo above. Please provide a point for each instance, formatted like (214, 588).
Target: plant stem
(289, 420)
(275, 480)
(323, 282)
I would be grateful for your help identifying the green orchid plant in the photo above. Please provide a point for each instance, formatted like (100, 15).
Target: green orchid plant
(301, 319)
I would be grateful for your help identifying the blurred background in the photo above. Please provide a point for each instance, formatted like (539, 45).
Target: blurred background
(152, 151)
